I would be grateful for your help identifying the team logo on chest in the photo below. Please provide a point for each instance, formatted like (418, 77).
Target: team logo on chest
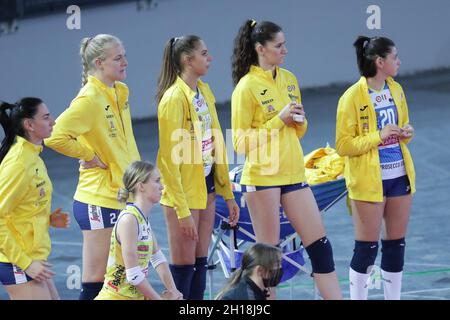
(291, 88)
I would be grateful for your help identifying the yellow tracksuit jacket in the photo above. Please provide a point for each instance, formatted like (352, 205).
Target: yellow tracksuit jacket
(180, 150)
(25, 201)
(357, 138)
(98, 122)
(273, 152)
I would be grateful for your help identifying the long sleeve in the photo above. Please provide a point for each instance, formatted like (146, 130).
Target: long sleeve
(73, 122)
(246, 137)
(300, 130)
(221, 161)
(405, 112)
(13, 188)
(348, 142)
(170, 119)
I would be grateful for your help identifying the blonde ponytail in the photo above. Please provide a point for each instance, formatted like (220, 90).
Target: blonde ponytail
(137, 172)
(92, 49)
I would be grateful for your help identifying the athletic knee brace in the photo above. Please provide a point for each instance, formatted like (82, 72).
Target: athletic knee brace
(393, 255)
(89, 290)
(364, 255)
(321, 255)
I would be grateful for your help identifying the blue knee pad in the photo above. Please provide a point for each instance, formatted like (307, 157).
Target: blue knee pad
(364, 255)
(393, 255)
(321, 255)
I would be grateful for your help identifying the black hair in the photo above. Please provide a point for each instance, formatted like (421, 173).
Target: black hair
(11, 119)
(244, 53)
(367, 51)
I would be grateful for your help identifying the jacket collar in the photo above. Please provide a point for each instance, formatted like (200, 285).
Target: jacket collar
(260, 294)
(257, 70)
(27, 144)
(98, 83)
(362, 83)
(186, 89)
(364, 92)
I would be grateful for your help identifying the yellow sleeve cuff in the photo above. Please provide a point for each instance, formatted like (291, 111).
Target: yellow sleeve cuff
(375, 138)
(276, 122)
(24, 262)
(183, 213)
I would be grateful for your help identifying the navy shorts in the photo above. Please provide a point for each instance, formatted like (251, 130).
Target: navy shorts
(396, 187)
(11, 274)
(284, 188)
(90, 217)
(210, 188)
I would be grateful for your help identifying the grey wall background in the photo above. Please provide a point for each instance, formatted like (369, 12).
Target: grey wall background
(41, 58)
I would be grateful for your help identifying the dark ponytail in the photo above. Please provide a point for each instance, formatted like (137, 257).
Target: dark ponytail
(367, 51)
(171, 66)
(11, 119)
(244, 53)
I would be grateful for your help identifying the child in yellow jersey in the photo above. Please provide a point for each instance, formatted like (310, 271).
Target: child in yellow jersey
(25, 202)
(372, 132)
(97, 130)
(192, 159)
(267, 121)
(133, 243)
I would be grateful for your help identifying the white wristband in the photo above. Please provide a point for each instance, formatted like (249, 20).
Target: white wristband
(157, 258)
(135, 275)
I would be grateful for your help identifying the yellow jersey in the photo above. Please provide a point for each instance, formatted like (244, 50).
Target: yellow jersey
(180, 150)
(273, 152)
(357, 139)
(25, 203)
(98, 122)
(116, 286)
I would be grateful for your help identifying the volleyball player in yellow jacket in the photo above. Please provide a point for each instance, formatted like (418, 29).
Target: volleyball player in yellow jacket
(192, 159)
(267, 121)
(96, 128)
(133, 243)
(25, 202)
(372, 130)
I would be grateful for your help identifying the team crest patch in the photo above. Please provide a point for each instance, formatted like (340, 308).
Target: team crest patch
(270, 108)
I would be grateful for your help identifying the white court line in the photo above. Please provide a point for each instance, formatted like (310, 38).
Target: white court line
(65, 243)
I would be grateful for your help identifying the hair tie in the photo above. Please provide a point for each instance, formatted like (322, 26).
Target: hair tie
(15, 106)
(253, 24)
(175, 40)
(89, 40)
(366, 43)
